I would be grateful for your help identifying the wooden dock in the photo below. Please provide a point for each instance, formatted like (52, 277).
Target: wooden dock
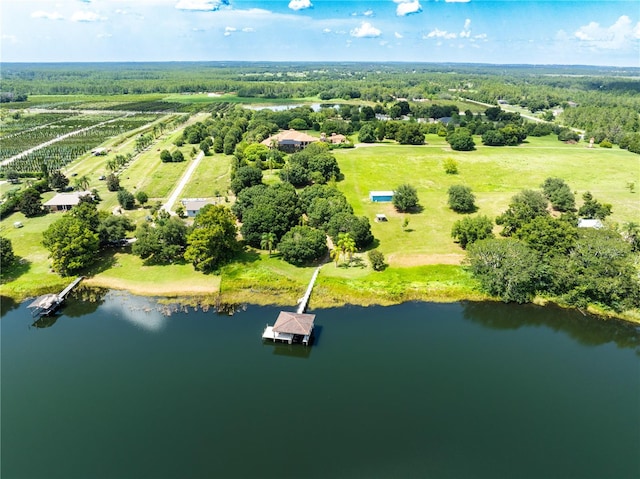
(49, 303)
(302, 303)
(294, 327)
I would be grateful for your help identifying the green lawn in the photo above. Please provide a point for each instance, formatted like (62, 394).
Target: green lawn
(30, 275)
(211, 176)
(493, 174)
(127, 271)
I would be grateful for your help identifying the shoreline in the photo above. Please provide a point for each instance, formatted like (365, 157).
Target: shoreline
(323, 297)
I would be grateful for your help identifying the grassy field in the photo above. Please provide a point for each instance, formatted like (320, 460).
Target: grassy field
(424, 262)
(493, 174)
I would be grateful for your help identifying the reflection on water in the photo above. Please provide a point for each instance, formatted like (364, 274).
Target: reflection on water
(7, 304)
(45, 321)
(587, 329)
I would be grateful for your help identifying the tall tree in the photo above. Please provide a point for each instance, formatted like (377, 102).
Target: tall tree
(212, 240)
(30, 203)
(71, 243)
(163, 243)
(506, 268)
(302, 244)
(57, 180)
(524, 207)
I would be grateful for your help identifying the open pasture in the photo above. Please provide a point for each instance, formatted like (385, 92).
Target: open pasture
(495, 174)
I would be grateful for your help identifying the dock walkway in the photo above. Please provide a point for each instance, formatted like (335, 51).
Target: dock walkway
(294, 327)
(49, 303)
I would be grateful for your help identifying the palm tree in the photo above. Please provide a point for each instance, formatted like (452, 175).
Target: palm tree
(267, 241)
(346, 245)
(82, 183)
(335, 255)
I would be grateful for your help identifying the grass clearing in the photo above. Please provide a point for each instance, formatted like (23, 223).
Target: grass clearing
(123, 270)
(211, 176)
(30, 274)
(495, 175)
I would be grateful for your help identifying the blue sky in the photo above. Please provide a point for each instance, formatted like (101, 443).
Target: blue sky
(603, 32)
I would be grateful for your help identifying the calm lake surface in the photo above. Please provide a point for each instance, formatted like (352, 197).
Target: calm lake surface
(117, 389)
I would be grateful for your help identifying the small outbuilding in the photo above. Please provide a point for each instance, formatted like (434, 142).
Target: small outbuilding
(590, 223)
(381, 196)
(291, 327)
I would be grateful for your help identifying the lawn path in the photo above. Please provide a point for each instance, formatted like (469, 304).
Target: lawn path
(168, 206)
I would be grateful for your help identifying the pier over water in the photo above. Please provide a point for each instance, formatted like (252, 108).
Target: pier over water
(294, 327)
(49, 303)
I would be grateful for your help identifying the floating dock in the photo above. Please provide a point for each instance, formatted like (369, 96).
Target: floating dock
(49, 303)
(294, 327)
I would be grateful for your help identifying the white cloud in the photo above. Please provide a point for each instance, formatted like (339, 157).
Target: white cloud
(229, 30)
(326, 30)
(407, 7)
(368, 13)
(620, 35)
(365, 30)
(87, 17)
(201, 5)
(248, 30)
(47, 15)
(437, 33)
(466, 29)
(300, 4)
(457, 1)
(397, 35)
(104, 35)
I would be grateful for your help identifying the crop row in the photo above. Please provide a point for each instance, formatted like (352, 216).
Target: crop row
(29, 139)
(59, 154)
(12, 126)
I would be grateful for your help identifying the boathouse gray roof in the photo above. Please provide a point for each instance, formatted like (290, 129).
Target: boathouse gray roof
(294, 323)
(44, 302)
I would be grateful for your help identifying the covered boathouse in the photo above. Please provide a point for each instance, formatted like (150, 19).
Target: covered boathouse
(291, 328)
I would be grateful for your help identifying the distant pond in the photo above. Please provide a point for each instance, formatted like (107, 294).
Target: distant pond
(126, 388)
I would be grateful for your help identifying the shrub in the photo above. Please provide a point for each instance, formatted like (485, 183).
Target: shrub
(461, 199)
(450, 166)
(177, 156)
(469, 230)
(126, 199)
(165, 156)
(376, 258)
(405, 198)
(113, 183)
(6, 252)
(142, 197)
(606, 144)
(461, 140)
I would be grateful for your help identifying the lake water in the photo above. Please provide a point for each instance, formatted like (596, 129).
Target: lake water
(118, 389)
